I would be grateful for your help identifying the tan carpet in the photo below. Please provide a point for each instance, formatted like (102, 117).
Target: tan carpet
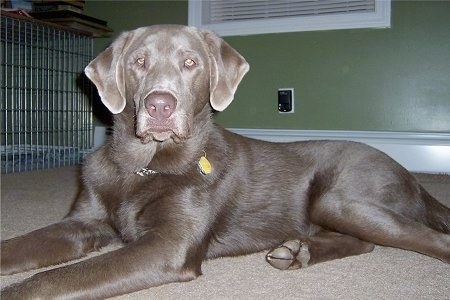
(32, 200)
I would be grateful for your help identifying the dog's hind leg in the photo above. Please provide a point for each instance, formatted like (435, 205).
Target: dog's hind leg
(381, 225)
(324, 246)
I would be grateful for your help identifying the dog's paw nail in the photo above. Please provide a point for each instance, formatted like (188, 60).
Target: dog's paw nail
(293, 245)
(283, 256)
(290, 255)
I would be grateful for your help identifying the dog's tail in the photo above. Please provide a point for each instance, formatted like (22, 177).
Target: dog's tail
(438, 215)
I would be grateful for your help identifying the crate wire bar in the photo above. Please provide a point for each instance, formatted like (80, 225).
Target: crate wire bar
(46, 114)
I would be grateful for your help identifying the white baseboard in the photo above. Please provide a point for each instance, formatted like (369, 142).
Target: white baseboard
(417, 152)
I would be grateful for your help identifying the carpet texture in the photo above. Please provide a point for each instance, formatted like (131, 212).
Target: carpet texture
(35, 199)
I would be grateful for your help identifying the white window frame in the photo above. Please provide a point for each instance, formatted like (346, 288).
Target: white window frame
(381, 18)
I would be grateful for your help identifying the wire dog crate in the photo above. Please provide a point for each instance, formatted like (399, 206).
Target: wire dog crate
(46, 114)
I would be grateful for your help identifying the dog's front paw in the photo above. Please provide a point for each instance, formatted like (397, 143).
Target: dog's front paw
(289, 256)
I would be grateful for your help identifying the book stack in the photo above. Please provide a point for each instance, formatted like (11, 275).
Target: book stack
(69, 13)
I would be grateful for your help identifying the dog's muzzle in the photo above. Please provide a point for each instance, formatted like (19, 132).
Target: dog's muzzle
(157, 118)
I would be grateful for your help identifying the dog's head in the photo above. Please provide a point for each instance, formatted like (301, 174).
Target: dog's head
(168, 73)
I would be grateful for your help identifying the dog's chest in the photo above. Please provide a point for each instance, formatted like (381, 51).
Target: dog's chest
(145, 202)
(124, 207)
(125, 221)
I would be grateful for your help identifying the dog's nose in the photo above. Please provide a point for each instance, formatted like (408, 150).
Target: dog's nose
(160, 105)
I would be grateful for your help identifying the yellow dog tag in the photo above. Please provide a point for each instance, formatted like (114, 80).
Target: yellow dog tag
(204, 165)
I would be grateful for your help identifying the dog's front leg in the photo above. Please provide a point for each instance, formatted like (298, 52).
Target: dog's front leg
(53, 244)
(145, 263)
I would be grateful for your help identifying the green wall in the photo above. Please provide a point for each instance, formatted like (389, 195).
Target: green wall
(128, 15)
(394, 79)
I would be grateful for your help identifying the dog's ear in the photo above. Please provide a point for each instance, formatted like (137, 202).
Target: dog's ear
(106, 72)
(227, 68)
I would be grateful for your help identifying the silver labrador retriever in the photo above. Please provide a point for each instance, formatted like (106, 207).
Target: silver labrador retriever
(177, 189)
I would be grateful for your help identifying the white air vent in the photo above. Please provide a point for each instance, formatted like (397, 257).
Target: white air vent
(228, 11)
(237, 17)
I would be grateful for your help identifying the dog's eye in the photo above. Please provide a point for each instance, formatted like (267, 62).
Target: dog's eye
(140, 61)
(189, 63)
